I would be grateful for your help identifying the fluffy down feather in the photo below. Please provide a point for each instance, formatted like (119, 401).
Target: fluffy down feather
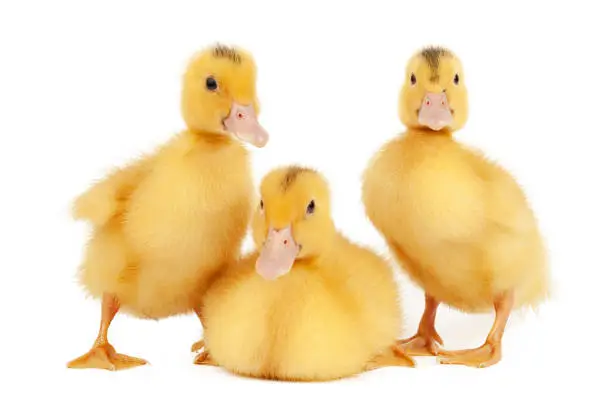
(334, 314)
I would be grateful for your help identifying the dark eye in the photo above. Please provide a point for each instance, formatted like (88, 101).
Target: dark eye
(261, 205)
(211, 84)
(311, 207)
(456, 79)
(413, 79)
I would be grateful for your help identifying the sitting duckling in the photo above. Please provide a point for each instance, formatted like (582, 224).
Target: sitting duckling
(308, 305)
(458, 223)
(165, 224)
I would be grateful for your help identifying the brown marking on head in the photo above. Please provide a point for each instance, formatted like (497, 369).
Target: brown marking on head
(432, 57)
(291, 175)
(223, 51)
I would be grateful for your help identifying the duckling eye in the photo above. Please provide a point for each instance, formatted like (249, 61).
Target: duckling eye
(211, 84)
(412, 79)
(456, 79)
(311, 207)
(261, 205)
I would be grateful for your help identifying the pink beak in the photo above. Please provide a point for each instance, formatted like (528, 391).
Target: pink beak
(242, 123)
(277, 254)
(435, 112)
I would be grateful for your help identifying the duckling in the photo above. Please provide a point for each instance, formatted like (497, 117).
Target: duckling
(457, 222)
(308, 304)
(166, 223)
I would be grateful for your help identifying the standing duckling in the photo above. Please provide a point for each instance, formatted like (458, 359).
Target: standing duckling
(165, 224)
(308, 305)
(458, 223)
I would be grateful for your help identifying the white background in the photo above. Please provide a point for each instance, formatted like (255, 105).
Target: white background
(88, 85)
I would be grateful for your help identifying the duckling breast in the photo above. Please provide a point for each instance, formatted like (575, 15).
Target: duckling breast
(423, 193)
(293, 328)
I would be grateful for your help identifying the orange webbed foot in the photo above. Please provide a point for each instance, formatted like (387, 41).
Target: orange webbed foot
(394, 357)
(204, 358)
(422, 344)
(484, 356)
(105, 357)
(490, 352)
(197, 346)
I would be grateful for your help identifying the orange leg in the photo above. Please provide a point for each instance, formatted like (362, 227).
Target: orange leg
(425, 341)
(490, 352)
(102, 354)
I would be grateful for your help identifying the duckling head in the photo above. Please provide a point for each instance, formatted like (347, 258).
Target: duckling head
(434, 95)
(219, 95)
(293, 220)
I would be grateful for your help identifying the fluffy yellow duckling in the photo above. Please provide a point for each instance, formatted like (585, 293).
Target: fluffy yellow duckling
(165, 224)
(458, 223)
(308, 305)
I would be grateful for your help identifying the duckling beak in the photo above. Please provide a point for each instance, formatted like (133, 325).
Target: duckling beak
(435, 112)
(277, 254)
(242, 123)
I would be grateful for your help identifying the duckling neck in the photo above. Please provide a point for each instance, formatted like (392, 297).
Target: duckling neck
(209, 138)
(426, 132)
(325, 254)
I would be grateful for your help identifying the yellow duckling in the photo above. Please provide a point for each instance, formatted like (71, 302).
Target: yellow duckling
(458, 223)
(165, 224)
(308, 305)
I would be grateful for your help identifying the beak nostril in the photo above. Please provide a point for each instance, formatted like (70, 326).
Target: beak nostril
(285, 242)
(240, 115)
